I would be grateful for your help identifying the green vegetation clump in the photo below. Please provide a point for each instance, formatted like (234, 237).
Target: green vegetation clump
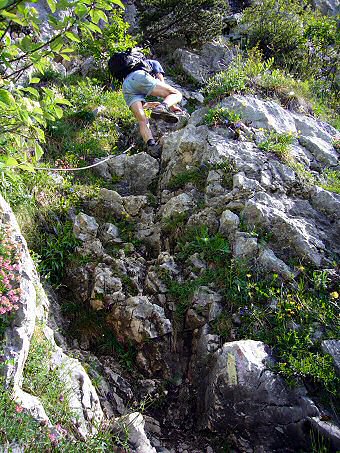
(196, 176)
(330, 180)
(278, 143)
(218, 116)
(190, 21)
(114, 38)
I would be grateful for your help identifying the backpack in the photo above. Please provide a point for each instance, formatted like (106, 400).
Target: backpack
(122, 64)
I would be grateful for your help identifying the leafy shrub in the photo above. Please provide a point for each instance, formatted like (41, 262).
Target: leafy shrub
(227, 82)
(298, 38)
(24, 110)
(190, 21)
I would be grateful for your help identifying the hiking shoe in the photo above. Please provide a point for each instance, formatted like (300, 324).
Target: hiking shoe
(154, 151)
(162, 112)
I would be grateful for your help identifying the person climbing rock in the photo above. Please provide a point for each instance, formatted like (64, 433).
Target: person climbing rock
(141, 79)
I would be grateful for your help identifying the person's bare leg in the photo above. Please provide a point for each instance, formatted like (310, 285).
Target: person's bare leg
(170, 95)
(144, 128)
(153, 149)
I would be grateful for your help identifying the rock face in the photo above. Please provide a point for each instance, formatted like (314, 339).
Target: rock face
(34, 305)
(156, 299)
(241, 392)
(268, 193)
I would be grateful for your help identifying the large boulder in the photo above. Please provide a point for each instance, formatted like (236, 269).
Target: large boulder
(242, 396)
(134, 174)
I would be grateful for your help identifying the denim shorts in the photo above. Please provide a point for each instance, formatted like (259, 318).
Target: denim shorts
(137, 85)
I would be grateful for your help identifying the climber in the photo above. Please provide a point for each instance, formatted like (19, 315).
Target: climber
(141, 79)
(157, 72)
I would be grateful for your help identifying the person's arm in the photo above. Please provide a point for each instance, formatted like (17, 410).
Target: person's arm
(160, 76)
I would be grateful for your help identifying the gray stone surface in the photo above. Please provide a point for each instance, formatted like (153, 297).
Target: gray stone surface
(229, 223)
(138, 320)
(242, 393)
(85, 227)
(269, 262)
(177, 205)
(134, 424)
(213, 57)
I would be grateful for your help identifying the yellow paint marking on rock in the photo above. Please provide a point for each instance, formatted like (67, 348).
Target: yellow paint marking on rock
(231, 369)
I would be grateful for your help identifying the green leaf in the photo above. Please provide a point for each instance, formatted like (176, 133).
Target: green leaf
(57, 44)
(34, 80)
(92, 27)
(68, 50)
(59, 112)
(98, 14)
(3, 3)
(31, 90)
(63, 101)
(6, 97)
(53, 5)
(65, 56)
(12, 17)
(38, 152)
(27, 166)
(81, 10)
(73, 37)
(119, 3)
(10, 161)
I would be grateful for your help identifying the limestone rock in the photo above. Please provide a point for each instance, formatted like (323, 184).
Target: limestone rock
(108, 202)
(134, 204)
(269, 262)
(134, 424)
(177, 205)
(135, 173)
(109, 233)
(138, 320)
(324, 152)
(85, 227)
(325, 201)
(229, 223)
(261, 114)
(299, 228)
(245, 246)
(328, 7)
(205, 307)
(328, 430)
(244, 397)
(212, 57)
(106, 286)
